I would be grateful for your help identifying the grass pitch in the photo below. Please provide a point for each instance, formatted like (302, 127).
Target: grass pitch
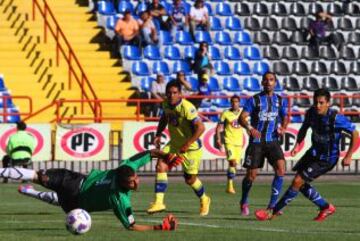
(27, 219)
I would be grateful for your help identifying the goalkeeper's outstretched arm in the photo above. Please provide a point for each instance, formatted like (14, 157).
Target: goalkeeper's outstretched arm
(169, 223)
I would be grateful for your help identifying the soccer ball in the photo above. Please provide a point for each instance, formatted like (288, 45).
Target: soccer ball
(78, 221)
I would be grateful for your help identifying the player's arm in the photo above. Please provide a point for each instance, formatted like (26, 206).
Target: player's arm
(243, 120)
(354, 139)
(169, 223)
(199, 129)
(219, 129)
(160, 128)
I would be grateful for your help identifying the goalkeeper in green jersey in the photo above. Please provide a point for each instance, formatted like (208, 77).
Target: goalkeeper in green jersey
(97, 191)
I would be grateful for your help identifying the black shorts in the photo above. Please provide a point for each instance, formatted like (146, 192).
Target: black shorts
(310, 168)
(66, 184)
(257, 152)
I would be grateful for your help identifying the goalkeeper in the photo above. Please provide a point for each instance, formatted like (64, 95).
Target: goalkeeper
(97, 191)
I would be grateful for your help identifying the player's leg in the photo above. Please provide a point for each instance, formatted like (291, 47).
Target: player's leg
(48, 197)
(18, 173)
(161, 183)
(191, 168)
(233, 154)
(276, 159)
(6, 163)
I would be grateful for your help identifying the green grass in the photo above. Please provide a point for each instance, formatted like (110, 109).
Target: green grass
(26, 219)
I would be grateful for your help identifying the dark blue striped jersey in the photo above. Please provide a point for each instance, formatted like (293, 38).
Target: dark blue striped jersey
(266, 113)
(326, 133)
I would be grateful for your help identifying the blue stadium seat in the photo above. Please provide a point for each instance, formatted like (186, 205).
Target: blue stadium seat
(222, 68)
(6, 101)
(194, 83)
(140, 68)
(189, 52)
(141, 7)
(152, 52)
(168, 6)
(209, 8)
(222, 102)
(242, 38)
(214, 84)
(242, 68)
(215, 24)
(172, 53)
(232, 53)
(223, 38)
(215, 53)
(166, 37)
(251, 84)
(182, 66)
(203, 36)
(125, 5)
(111, 22)
(2, 83)
(233, 23)
(106, 8)
(223, 9)
(183, 38)
(296, 117)
(130, 52)
(161, 67)
(231, 84)
(252, 53)
(214, 118)
(187, 7)
(145, 83)
(278, 87)
(260, 68)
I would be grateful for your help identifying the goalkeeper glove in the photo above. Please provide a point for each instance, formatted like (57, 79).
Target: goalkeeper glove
(174, 160)
(169, 223)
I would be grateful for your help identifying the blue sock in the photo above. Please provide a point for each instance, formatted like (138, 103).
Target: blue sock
(314, 196)
(246, 186)
(275, 190)
(289, 195)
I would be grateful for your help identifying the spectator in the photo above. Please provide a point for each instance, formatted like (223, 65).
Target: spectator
(158, 12)
(203, 89)
(19, 148)
(185, 85)
(199, 17)
(317, 31)
(158, 93)
(202, 63)
(149, 33)
(178, 18)
(127, 30)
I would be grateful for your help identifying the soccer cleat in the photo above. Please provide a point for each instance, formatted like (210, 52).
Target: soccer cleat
(205, 206)
(323, 214)
(24, 188)
(245, 211)
(278, 213)
(156, 208)
(230, 190)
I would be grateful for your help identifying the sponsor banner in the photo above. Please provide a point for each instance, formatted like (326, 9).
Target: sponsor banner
(42, 136)
(139, 136)
(82, 142)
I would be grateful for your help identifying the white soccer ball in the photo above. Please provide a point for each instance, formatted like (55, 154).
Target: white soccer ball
(78, 221)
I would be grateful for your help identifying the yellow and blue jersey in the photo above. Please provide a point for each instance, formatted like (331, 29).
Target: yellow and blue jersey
(181, 119)
(233, 130)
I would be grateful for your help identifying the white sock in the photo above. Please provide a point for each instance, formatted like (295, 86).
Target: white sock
(17, 173)
(48, 197)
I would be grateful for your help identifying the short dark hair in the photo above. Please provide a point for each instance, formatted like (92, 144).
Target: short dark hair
(266, 73)
(322, 92)
(123, 175)
(127, 11)
(235, 97)
(20, 125)
(173, 83)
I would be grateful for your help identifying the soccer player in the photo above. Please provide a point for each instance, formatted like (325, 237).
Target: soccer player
(326, 125)
(185, 128)
(267, 112)
(233, 139)
(98, 191)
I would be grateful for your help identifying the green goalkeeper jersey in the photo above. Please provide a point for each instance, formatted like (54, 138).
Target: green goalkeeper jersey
(100, 190)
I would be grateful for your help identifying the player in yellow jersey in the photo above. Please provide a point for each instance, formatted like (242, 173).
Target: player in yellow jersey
(233, 139)
(185, 127)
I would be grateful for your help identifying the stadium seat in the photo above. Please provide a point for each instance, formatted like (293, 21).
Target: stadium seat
(260, 68)
(140, 68)
(252, 84)
(314, 8)
(2, 84)
(330, 83)
(260, 9)
(141, 7)
(298, 37)
(252, 53)
(353, 10)
(105, 8)
(167, 5)
(203, 36)
(278, 9)
(181, 66)
(165, 37)
(222, 68)
(189, 52)
(231, 84)
(281, 68)
(349, 83)
(6, 101)
(242, 9)
(347, 53)
(302, 100)
(311, 83)
(356, 99)
(290, 53)
(297, 9)
(341, 99)
(194, 83)
(252, 24)
(262, 38)
(289, 24)
(209, 8)
(354, 38)
(278, 87)
(14, 117)
(319, 68)
(309, 54)
(214, 84)
(355, 68)
(300, 68)
(271, 53)
(223, 38)
(233, 24)
(125, 5)
(222, 102)
(328, 53)
(130, 52)
(305, 22)
(172, 53)
(280, 38)
(111, 22)
(215, 24)
(187, 7)
(242, 68)
(152, 52)
(338, 68)
(145, 83)
(215, 53)
(183, 38)
(271, 24)
(232, 53)
(223, 9)
(335, 9)
(160, 67)
(292, 84)
(242, 38)
(296, 117)
(345, 24)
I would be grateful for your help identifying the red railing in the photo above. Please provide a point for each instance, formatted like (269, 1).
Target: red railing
(7, 110)
(63, 46)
